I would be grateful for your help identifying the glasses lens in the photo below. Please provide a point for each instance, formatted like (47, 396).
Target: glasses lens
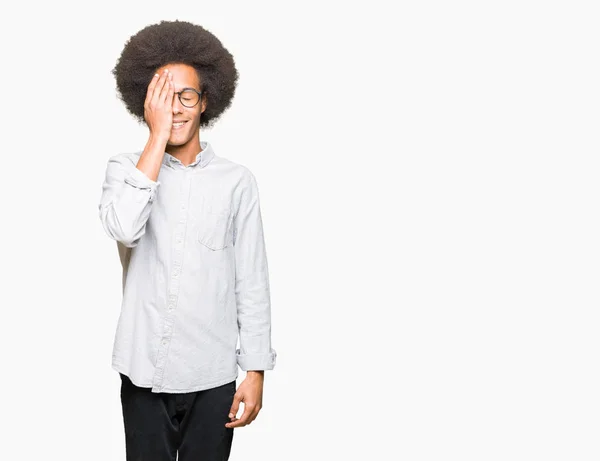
(189, 98)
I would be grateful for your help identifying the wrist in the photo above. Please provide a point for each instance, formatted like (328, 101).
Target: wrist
(256, 373)
(159, 138)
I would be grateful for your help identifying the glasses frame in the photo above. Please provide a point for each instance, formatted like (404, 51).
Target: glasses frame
(178, 93)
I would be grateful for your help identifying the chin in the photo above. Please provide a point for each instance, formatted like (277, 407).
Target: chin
(173, 141)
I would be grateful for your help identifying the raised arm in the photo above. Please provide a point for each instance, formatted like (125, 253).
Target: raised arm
(129, 190)
(128, 194)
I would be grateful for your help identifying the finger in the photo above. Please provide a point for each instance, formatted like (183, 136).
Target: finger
(237, 423)
(235, 406)
(165, 90)
(151, 86)
(170, 93)
(233, 420)
(159, 86)
(245, 419)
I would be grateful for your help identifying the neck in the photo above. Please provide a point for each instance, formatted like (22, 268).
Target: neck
(185, 153)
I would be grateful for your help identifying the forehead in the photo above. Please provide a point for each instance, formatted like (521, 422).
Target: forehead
(183, 75)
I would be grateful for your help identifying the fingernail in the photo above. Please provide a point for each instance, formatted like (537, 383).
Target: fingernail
(231, 415)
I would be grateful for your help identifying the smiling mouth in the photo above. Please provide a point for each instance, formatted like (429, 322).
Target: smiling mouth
(177, 126)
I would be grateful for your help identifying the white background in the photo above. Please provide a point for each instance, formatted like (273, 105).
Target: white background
(429, 186)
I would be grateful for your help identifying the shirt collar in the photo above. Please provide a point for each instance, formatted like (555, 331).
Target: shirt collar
(203, 158)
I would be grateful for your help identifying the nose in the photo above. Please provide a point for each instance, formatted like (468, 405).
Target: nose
(177, 106)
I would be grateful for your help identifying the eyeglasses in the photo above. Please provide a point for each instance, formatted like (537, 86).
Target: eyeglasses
(189, 97)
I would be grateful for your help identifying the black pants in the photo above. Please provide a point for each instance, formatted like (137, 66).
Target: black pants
(157, 425)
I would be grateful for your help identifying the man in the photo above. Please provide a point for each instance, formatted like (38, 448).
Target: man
(189, 231)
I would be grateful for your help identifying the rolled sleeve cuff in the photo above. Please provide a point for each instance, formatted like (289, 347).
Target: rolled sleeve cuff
(248, 362)
(138, 178)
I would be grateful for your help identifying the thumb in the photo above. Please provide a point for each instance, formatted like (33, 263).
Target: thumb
(237, 398)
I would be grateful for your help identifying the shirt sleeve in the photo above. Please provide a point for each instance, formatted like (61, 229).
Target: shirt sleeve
(126, 201)
(252, 283)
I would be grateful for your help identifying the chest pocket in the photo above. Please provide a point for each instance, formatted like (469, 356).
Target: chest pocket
(215, 230)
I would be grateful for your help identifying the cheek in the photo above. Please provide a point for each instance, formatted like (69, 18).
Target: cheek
(196, 120)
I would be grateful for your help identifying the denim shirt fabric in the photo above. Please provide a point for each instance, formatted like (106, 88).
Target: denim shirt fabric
(195, 273)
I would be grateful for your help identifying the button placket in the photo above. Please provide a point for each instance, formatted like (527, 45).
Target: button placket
(174, 285)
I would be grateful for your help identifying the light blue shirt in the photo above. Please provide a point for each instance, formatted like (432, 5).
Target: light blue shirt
(195, 274)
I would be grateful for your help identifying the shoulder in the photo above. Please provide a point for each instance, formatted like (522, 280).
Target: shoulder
(239, 171)
(122, 161)
(125, 158)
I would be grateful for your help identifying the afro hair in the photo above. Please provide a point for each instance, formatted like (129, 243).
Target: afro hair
(170, 42)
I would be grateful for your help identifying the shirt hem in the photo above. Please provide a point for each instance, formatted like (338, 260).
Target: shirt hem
(199, 387)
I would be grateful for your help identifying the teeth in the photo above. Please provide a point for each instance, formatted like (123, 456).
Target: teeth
(178, 124)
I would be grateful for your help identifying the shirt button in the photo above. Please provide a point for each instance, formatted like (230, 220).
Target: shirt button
(164, 342)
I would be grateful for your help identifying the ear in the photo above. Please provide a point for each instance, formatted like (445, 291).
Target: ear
(204, 103)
